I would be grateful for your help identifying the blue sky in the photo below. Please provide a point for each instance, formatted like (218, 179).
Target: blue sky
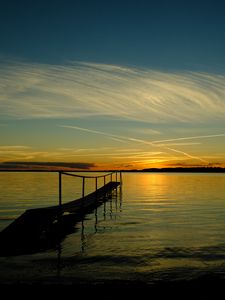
(158, 34)
(113, 83)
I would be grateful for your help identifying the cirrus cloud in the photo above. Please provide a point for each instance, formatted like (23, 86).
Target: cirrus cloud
(31, 91)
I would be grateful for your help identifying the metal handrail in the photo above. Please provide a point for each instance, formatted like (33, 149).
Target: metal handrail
(75, 175)
(83, 181)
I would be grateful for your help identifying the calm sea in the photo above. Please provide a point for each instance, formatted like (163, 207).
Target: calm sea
(162, 226)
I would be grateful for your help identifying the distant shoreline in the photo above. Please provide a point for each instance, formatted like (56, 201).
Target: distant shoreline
(149, 170)
(187, 170)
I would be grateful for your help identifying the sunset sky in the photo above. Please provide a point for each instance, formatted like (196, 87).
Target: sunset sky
(112, 84)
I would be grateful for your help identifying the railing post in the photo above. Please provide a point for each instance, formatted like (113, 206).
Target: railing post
(111, 176)
(83, 186)
(104, 187)
(60, 189)
(116, 186)
(96, 187)
(121, 181)
(59, 214)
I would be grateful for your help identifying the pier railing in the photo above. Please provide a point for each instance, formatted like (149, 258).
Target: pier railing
(117, 178)
(37, 228)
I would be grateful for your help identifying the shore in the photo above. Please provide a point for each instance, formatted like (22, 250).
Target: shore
(208, 285)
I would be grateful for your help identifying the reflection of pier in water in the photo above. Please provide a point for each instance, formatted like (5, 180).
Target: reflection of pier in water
(44, 228)
(114, 204)
(108, 210)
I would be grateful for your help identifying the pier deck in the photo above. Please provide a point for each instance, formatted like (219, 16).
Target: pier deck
(40, 228)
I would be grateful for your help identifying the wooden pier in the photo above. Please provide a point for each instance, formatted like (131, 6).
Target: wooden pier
(42, 228)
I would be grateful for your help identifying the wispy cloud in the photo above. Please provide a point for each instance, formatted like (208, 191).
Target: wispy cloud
(159, 101)
(45, 165)
(19, 152)
(84, 89)
(10, 148)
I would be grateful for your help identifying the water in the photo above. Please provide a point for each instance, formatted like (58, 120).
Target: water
(162, 227)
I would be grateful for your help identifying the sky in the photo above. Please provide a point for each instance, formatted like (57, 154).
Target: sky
(98, 85)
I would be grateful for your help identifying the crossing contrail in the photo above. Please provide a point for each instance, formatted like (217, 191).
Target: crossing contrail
(190, 138)
(125, 138)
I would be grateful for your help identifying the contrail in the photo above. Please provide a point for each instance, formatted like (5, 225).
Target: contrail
(171, 149)
(188, 155)
(136, 140)
(118, 138)
(190, 138)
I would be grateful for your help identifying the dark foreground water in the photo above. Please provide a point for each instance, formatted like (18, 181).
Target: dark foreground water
(163, 227)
